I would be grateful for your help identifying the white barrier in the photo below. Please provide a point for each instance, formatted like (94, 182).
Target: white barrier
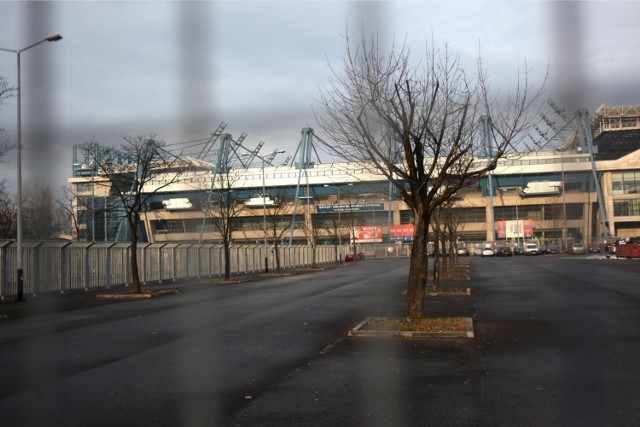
(60, 266)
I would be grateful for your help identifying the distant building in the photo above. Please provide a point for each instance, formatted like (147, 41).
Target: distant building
(552, 192)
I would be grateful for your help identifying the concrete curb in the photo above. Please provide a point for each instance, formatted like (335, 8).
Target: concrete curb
(450, 292)
(137, 296)
(359, 332)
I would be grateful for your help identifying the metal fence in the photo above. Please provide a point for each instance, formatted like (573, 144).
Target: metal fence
(60, 266)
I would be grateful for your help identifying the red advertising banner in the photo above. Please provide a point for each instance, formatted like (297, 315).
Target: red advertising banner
(401, 232)
(366, 234)
(514, 229)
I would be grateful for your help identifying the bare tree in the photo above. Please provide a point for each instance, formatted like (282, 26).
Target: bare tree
(311, 232)
(38, 208)
(134, 174)
(223, 209)
(417, 125)
(278, 223)
(8, 214)
(332, 225)
(453, 224)
(66, 214)
(6, 92)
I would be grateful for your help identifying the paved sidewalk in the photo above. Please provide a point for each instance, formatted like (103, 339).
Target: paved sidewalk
(54, 302)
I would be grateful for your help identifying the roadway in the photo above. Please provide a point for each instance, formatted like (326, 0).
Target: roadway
(557, 343)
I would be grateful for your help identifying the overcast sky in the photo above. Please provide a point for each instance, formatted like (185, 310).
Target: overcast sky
(179, 69)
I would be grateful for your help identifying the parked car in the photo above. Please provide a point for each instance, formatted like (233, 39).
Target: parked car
(462, 251)
(594, 248)
(532, 249)
(354, 256)
(487, 251)
(518, 250)
(551, 248)
(477, 251)
(577, 249)
(504, 251)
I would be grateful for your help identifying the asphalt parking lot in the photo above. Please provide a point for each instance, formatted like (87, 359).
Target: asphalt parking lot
(556, 344)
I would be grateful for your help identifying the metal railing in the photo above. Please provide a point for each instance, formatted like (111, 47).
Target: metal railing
(60, 266)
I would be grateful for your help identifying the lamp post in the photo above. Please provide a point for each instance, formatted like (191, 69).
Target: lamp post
(20, 275)
(264, 212)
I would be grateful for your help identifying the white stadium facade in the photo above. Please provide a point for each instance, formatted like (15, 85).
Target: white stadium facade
(563, 193)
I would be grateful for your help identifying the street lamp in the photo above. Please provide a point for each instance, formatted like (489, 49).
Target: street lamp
(264, 211)
(20, 277)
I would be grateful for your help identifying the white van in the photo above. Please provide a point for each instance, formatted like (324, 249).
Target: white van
(531, 249)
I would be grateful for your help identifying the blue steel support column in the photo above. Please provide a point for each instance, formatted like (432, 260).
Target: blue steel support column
(485, 124)
(584, 133)
(305, 158)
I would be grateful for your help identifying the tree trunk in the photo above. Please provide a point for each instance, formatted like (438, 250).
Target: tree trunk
(437, 253)
(417, 270)
(276, 254)
(227, 261)
(135, 274)
(313, 256)
(445, 257)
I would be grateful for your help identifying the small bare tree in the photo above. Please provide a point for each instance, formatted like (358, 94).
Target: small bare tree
(39, 206)
(133, 174)
(8, 214)
(417, 125)
(278, 223)
(223, 209)
(334, 230)
(6, 92)
(68, 205)
(454, 225)
(311, 232)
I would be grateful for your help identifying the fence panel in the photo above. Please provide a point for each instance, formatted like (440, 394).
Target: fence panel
(77, 259)
(168, 261)
(120, 264)
(51, 266)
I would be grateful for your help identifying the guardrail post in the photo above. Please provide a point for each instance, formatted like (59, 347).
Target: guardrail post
(85, 261)
(173, 262)
(64, 266)
(4, 269)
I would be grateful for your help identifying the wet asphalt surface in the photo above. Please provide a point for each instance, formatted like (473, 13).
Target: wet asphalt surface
(557, 344)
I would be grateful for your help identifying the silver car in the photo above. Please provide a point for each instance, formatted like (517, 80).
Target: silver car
(462, 251)
(578, 249)
(488, 252)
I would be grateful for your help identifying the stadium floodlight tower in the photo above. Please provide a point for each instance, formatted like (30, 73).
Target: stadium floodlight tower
(304, 152)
